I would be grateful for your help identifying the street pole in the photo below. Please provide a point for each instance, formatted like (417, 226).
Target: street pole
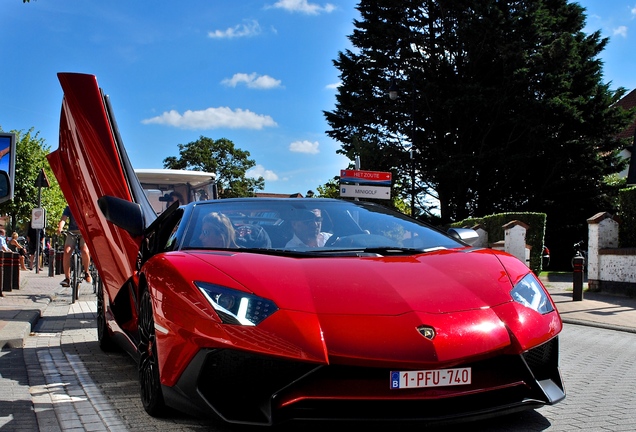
(393, 95)
(412, 181)
(41, 181)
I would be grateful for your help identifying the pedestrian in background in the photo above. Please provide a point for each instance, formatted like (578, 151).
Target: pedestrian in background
(32, 242)
(3, 241)
(15, 246)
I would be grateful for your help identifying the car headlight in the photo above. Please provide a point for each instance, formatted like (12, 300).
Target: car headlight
(530, 293)
(237, 307)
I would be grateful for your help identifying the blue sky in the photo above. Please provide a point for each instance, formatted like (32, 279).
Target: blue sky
(258, 72)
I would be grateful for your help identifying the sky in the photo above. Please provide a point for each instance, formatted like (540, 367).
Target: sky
(257, 72)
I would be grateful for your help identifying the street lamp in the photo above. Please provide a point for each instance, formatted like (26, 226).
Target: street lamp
(393, 95)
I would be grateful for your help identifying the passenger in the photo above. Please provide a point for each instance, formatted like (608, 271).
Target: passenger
(217, 231)
(307, 226)
(176, 196)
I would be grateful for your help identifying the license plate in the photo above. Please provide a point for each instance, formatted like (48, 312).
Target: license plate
(430, 378)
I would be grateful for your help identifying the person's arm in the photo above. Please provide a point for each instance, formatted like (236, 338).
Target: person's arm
(18, 246)
(60, 225)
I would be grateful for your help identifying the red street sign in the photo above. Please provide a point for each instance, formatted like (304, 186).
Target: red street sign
(372, 177)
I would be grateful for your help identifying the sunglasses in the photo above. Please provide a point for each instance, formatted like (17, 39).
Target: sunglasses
(314, 220)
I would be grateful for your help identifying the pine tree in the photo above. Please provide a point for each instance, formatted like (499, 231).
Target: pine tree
(502, 101)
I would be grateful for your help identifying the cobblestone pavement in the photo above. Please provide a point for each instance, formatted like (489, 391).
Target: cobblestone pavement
(44, 386)
(48, 343)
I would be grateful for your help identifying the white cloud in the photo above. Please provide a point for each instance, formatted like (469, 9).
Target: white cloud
(213, 118)
(621, 31)
(334, 85)
(251, 28)
(304, 147)
(260, 171)
(303, 6)
(252, 81)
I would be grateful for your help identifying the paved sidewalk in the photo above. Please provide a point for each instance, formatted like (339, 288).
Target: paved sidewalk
(21, 308)
(596, 309)
(43, 386)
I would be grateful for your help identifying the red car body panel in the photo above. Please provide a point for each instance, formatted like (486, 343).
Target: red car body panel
(320, 321)
(87, 165)
(341, 322)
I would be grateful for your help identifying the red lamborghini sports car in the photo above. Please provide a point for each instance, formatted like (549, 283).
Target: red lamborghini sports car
(261, 311)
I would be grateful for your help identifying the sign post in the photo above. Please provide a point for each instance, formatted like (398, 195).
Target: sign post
(365, 184)
(38, 219)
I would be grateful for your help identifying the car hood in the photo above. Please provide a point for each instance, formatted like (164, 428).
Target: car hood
(339, 309)
(435, 282)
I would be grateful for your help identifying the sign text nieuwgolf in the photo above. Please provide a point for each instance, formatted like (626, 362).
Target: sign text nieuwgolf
(365, 177)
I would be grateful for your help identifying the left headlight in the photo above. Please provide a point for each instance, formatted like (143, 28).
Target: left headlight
(530, 293)
(237, 307)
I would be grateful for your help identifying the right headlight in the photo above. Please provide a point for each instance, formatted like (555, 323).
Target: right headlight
(529, 292)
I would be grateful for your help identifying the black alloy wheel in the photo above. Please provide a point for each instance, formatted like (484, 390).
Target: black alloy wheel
(151, 394)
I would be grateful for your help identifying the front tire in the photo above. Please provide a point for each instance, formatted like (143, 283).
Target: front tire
(104, 338)
(74, 278)
(151, 394)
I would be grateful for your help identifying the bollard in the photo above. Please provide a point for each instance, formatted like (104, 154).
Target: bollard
(577, 276)
(58, 263)
(4, 280)
(7, 279)
(51, 262)
(15, 270)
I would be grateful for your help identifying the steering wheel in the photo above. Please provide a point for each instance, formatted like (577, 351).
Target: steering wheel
(331, 240)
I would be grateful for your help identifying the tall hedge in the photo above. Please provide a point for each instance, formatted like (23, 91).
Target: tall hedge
(627, 226)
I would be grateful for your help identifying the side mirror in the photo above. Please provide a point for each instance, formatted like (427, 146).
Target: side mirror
(122, 213)
(466, 235)
(7, 166)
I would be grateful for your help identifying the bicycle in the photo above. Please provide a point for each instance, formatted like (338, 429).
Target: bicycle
(76, 273)
(92, 270)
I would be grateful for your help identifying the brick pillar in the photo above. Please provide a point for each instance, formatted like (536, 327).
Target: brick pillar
(602, 231)
(515, 240)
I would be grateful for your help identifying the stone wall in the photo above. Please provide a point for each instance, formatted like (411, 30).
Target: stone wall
(609, 268)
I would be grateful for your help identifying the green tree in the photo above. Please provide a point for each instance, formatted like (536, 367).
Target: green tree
(221, 157)
(30, 159)
(331, 189)
(502, 102)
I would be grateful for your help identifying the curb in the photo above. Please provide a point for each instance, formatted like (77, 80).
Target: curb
(586, 323)
(16, 331)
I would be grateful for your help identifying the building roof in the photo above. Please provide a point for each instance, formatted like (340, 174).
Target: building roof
(628, 101)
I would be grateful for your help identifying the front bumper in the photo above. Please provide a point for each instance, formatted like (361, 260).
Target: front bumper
(240, 387)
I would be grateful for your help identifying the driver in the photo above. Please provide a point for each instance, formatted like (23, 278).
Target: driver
(307, 226)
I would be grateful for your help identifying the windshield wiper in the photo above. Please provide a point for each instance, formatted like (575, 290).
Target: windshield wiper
(381, 250)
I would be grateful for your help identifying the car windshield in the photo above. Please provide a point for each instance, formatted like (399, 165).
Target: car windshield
(303, 224)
